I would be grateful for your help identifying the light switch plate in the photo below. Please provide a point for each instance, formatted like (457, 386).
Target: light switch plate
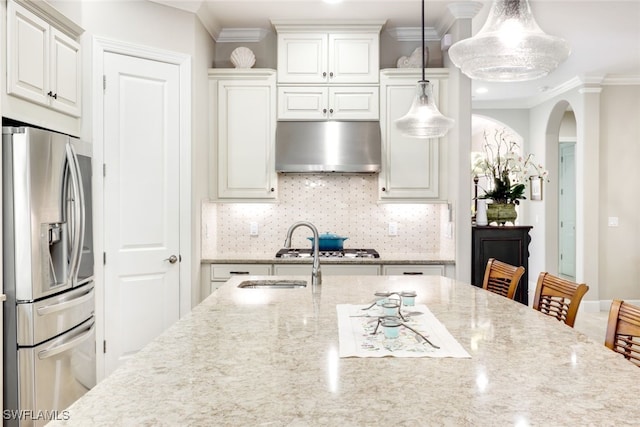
(393, 229)
(612, 221)
(253, 228)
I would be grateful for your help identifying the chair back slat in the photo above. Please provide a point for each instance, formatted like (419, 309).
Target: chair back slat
(502, 278)
(558, 297)
(623, 330)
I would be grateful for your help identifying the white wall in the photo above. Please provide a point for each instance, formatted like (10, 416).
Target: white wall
(607, 131)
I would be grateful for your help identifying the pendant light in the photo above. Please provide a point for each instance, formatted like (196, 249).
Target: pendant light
(510, 47)
(424, 120)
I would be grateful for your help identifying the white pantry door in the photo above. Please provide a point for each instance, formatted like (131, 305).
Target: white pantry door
(141, 203)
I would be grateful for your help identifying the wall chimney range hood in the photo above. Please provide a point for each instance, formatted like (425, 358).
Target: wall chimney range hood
(328, 146)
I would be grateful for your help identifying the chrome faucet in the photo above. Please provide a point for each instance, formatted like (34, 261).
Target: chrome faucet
(316, 276)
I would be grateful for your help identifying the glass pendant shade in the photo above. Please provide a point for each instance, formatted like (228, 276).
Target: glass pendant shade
(510, 47)
(424, 120)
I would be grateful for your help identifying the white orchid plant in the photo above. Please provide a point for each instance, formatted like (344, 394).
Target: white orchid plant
(506, 168)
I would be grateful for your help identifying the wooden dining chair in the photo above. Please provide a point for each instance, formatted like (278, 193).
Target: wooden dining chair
(559, 298)
(502, 278)
(623, 330)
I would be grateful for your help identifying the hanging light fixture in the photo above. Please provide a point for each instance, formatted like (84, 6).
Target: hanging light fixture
(424, 120)
(510, 47)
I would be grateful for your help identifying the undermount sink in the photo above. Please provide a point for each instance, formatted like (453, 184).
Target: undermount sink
(272, 284)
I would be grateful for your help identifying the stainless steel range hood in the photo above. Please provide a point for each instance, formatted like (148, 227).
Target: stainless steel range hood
(328, 146)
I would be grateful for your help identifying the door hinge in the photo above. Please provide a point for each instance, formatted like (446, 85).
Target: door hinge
(104, 82)
(104, 346)
(104, 258)
(104, 169)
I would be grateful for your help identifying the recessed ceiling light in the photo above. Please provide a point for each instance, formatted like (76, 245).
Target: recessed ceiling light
(332, 1)
(482, 90)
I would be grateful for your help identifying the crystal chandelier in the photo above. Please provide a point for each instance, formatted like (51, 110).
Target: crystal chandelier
(510, 47)
(424, 120)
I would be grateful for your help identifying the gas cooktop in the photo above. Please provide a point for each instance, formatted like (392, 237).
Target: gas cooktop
(345, 253)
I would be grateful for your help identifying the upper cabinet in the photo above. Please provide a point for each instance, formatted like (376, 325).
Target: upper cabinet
(328, 102)
(328, 71)
(242, 129)
(43, 60)
(327, 57)
(412, 169)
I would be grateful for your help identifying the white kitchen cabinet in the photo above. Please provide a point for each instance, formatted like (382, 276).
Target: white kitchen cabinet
(326, 269)
(311, 54)
(43, 61)
(413, 270)
(243, 125)
(327, 102)
(411, 167)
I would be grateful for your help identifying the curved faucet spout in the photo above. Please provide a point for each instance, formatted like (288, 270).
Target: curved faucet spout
(316, 276)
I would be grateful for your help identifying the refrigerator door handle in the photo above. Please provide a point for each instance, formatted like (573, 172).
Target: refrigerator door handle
(79, 213)
(48, 309)
(74, 342)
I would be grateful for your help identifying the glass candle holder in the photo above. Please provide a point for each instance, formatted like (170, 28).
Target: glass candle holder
(408, 298)
(391, 326)
(391, 307)
(382, 297)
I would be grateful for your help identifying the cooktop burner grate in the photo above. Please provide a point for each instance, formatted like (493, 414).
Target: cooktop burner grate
(345, 253)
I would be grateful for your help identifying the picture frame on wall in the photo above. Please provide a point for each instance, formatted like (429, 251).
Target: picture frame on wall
(535, 187)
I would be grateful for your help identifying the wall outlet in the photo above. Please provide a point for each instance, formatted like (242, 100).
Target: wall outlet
(612, 221)
(393, 229)
(253, 228)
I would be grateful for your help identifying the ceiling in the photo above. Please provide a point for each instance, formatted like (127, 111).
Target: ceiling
(604, 35)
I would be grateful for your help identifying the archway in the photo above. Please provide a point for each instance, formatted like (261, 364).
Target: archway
(560, 207)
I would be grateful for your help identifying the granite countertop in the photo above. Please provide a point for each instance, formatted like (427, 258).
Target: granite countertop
(270, 357)
(385, 258)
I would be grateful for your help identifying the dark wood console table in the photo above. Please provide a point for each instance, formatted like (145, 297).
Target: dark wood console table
(508, 244)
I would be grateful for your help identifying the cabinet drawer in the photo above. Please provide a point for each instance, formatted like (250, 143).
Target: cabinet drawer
(327, 270)
(426, 270)
(225, 271)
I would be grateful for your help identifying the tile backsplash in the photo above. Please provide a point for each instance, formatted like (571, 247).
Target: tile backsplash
(346, 205)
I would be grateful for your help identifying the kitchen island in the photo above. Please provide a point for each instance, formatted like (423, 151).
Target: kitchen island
(271, 357)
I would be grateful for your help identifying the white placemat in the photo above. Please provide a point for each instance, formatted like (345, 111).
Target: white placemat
(355, 328)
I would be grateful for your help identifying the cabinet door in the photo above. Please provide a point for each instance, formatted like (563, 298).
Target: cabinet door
(65, 73)
(354, 58)
(28, 54)
(354, 103)
(246, 138)
(409, 165)
(302, 58)
(302, 103)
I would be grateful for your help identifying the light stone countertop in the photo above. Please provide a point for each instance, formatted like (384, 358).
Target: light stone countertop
(247, 357)
(385, 259)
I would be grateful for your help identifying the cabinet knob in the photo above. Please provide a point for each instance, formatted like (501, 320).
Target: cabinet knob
(384, 188)
(331, 74)
(272, 189)
(324, 111)
(324, 74)
(331, 111)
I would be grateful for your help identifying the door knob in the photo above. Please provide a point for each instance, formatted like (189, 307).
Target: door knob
(172, 259)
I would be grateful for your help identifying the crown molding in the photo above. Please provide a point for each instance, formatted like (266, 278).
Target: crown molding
(243, 35)
(412, 34)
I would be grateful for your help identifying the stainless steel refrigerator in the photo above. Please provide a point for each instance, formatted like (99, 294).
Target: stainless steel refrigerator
(49, 332)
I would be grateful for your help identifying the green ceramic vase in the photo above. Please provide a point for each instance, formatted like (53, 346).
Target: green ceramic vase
(501, 213)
